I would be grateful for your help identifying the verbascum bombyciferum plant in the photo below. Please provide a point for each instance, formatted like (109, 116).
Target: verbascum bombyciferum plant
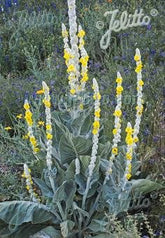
(85, 175)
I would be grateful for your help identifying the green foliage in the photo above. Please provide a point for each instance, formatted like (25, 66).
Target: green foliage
(20, 213)
(62, 212)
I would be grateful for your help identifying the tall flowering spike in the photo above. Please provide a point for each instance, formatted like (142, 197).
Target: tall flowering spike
(68, 56)
(72, 53)
(84, 59)
(95, 132)
(73, 35)
(96, 127)
(117, 123)
(129, 142)
(49, 135)
(29, 121)
(139, 107)
(29, 184)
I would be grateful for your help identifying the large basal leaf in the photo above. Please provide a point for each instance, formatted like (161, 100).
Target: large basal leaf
(82, 124)
(66, 149)
(70, 172)
(66, 193)
(16, 213)
(143, 186)
(46, 191)
(104, 150)
(22, 231)
(86, 127)
(70, 145)
(116, 199)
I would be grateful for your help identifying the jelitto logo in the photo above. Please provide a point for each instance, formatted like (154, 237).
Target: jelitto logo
(126, 21)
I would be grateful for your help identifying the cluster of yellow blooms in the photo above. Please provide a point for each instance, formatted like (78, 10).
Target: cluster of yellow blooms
(69, 61)
(84, 59)
(139, 107)
(29, 121)
(117, 123)
(29, 183)
(129, 141)
(75, 54)
(117, 113)
(96, 126)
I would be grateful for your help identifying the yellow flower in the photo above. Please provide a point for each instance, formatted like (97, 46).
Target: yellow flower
(40, 92)
(47, 103)
(31, 182)
(65, 33)
(128, 156)
(49, 136)
(84, 61)
(73, 91)
(97, 96)
(71, 68)
(28, 187)
(96, 124)
(140, 83)
(36, 149)
(26, 106)
(28, 117)
(115, 151)
(119, 90)
(119, 80)
(67, 55)
(48, 127)
(137, 58)
(129, 130)
(128, 176)
(97, 113)
(28, 114)
(19, 116)
(81, 33)
(23, 175)
(135, 139)
(129, 140)
(33, 141)
(81, 106)
(41, 123)
(117, 113)
(84, 78)
(138, 68)
(25, 137)
(139, 108)
(114, 131)
(8, 128)
(95, 131)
